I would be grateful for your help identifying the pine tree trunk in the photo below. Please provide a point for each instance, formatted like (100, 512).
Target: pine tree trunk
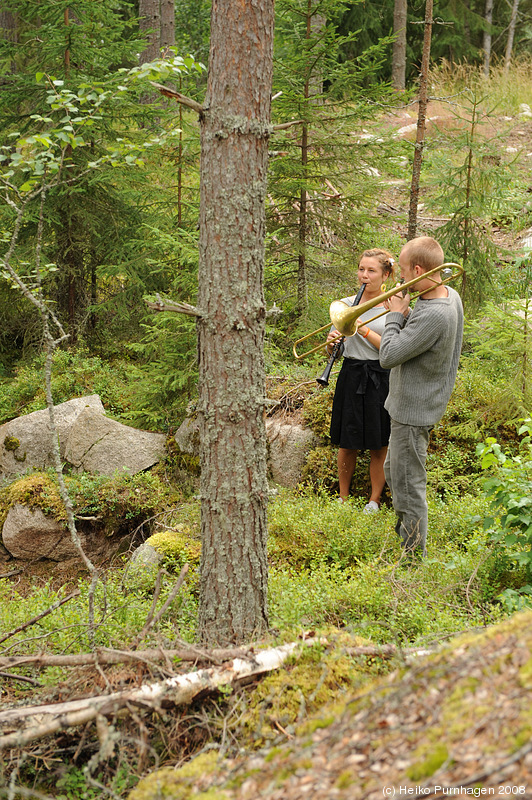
(234, 152)
(150, 20)
(511, 34)
(9, 33)
(167, 23)
(486, 41)
(421, 123)
(399, 46)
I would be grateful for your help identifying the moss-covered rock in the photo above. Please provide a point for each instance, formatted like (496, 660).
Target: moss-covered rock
(178, 784)
(177, 544)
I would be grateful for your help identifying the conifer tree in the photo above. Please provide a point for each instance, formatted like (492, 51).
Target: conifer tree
(320, 172)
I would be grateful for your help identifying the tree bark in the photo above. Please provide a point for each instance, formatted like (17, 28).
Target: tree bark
(167, 23)
(511, 34)
(486, 39)
(150, 29)
(399, 46)
(234, 150)
(421, 123)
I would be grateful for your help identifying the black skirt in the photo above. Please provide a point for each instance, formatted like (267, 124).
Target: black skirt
(359, 420)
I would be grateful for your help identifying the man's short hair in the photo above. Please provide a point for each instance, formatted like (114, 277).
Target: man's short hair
(424, 251)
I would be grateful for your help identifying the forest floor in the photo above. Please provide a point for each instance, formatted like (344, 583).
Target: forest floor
(447, 724)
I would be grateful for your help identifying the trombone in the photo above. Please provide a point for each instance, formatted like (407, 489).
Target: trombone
(344, 317)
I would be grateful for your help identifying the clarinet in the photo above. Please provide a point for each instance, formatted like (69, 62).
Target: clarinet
(338, 347)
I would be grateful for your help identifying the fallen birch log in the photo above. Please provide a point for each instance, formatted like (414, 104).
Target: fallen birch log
(35, 722)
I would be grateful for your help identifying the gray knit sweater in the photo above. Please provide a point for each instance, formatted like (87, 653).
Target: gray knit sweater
(423, 353)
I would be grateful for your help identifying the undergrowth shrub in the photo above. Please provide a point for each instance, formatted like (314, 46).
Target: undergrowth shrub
(509, 524)
(333, 565)
(120, 613)
(75, 373)
(120, 500)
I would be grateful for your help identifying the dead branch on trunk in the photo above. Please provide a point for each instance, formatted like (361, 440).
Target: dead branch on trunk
(160, 304)
(181, 98)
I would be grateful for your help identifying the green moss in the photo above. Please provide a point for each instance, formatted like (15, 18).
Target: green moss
(34, 491)
(434, 759)
(317, 412)
(286, 697)
(314, 725)
(11, 443)
(122, 501)
(344, 780)
(179, 784)
(177, 544)
(525, 674)
(522, 737)
(274, 753)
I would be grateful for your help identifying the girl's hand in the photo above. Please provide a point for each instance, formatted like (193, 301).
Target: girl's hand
(332, 337)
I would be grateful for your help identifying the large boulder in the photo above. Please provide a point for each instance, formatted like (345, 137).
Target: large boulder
(29, 534)
(288, 447)
(101, 445)
(26, 442)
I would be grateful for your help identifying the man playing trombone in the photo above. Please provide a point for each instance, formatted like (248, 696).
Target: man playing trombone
(422, 348)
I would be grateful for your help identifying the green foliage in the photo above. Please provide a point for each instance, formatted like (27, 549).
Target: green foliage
(75, 150)
(75, 374)
(509, 489)
(165, 377)
(474, 189)
(120, 614)
(502, 339)
(320, 177)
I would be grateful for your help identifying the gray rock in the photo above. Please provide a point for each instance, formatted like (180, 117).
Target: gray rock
(101, 445)
(26, 443)
(288, 448)
(29, 534)
(146, 556)
(187, 436)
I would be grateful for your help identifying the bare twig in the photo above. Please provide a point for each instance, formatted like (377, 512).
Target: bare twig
(149, 619)
(169, 600)
(106, 655)
(22, 678)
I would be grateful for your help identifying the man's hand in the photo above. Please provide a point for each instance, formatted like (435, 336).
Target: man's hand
(398, 303)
